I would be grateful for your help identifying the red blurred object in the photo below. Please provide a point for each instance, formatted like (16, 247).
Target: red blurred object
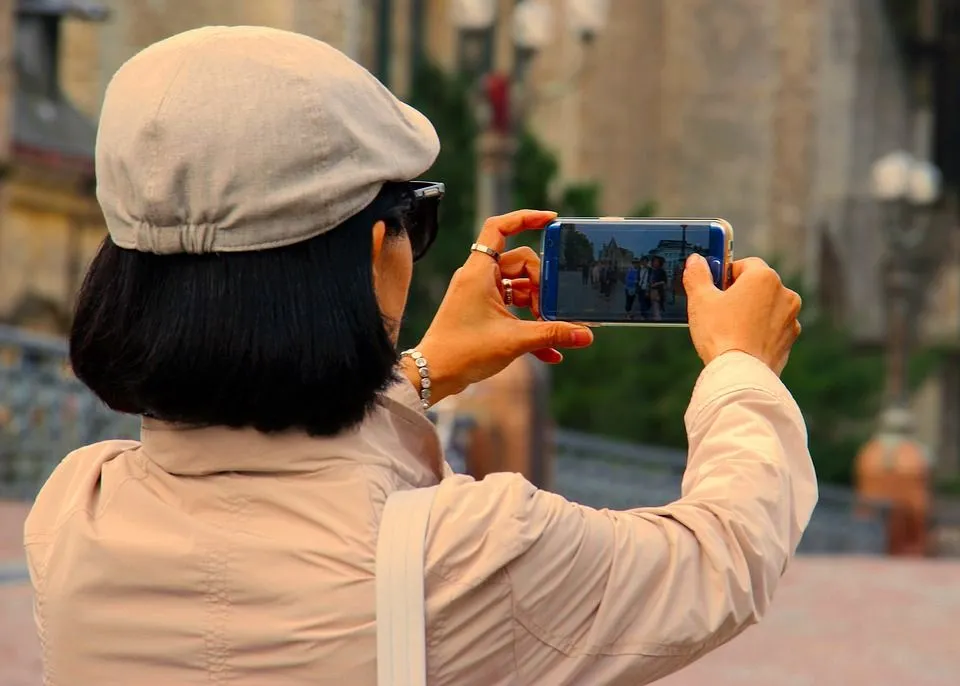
(497, 88)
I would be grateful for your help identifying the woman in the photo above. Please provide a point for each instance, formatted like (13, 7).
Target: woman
(658, 287)
(630, 288)
(677, 282)
(263, 231)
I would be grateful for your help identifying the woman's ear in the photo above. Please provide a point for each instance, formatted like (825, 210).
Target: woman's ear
(379, 236)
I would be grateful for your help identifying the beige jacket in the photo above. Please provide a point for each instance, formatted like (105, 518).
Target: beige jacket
(211, 556)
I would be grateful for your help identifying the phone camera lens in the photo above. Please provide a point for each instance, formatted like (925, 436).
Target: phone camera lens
(549, 242)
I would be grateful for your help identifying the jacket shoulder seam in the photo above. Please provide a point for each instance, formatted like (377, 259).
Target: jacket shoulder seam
(49, 534)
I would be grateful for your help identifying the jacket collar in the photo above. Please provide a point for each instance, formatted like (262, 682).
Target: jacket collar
(396, 434)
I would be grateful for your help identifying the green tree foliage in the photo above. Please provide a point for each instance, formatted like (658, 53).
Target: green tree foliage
(445, 100)
(577, 251)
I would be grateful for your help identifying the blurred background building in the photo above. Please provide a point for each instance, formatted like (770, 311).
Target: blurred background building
(778, 115)
(769, 113)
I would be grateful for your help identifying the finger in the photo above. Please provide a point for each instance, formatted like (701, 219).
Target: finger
(549, 355)
(795, 303)
(522, 299)
(496, 230)
(522, 285)
(697, 277)
(527, 300)
(516, 285)
(521, 262)
(538, 335)
(748, 264)
(525, 296)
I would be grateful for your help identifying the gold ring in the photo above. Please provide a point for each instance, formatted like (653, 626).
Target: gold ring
(507, 291)
(480, 247)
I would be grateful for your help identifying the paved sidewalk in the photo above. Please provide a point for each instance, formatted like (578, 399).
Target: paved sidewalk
(19, 651)
(848, 622)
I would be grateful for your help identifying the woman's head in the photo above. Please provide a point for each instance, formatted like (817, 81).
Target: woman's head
(261, 234)
(301, 336)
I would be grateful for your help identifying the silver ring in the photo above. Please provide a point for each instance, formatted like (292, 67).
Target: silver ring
(480, 247)
(507, 291)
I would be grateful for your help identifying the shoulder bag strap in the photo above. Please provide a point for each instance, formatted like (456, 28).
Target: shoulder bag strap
(401, 624)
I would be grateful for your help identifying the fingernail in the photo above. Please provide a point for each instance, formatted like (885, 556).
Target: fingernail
(696, 257)
(581, 338)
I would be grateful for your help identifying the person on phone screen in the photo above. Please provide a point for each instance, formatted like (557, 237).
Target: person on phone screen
(678, 282)
(264, 215)
(643, 287)
(658, 287)
(630, 287)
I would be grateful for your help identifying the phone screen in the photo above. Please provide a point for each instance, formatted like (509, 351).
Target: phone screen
(627, 273)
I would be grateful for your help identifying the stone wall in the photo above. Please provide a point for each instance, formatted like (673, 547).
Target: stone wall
(6, 77)
(92, 53)
(708, 108)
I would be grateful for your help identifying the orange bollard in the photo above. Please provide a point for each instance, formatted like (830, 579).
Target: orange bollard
(895, 468)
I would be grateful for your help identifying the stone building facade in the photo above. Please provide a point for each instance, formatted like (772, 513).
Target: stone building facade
(6, 84)
(92, 54)
(50, 223)
(765, 112)
(768, 113)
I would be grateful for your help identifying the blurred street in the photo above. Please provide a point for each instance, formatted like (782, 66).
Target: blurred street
(586, 298)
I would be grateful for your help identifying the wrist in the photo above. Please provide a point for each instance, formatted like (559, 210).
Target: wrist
(439, 382)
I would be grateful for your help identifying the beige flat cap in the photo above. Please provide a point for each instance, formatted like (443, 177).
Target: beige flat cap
(228, 139)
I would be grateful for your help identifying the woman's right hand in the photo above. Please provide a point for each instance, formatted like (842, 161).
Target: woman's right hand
(474, 335)
(757, 315)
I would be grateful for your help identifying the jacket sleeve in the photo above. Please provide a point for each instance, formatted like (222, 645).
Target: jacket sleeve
(605, 597)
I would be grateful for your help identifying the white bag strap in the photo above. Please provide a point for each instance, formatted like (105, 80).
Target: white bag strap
(401, 610)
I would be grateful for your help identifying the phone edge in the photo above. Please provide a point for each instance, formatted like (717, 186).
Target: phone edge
(548, 292)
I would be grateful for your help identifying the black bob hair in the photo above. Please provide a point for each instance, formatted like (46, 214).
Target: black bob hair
(290, 338)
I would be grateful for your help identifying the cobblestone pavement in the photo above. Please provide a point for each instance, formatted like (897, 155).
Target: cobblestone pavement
(836, 622)
(848, 622)
(19, 652)
(586, 299)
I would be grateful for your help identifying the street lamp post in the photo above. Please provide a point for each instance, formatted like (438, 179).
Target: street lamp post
(906, 189)
(512, 425)
(505, 96)
(894, 465)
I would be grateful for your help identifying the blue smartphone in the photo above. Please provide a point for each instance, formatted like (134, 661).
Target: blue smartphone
(613, 271)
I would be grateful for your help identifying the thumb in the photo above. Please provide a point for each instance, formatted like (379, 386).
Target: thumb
(697, 278)
(539, 335)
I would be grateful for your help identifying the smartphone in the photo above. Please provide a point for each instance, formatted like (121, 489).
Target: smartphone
(613, 271)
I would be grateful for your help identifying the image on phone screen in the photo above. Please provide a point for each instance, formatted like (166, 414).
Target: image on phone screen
(625, 274)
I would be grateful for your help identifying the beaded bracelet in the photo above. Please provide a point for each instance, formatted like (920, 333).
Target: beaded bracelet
(424, 371)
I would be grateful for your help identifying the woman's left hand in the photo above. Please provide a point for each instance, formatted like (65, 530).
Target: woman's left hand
(474, 335)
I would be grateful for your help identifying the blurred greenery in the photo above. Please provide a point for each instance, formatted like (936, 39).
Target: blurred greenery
(634, 384)
(445, 100)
